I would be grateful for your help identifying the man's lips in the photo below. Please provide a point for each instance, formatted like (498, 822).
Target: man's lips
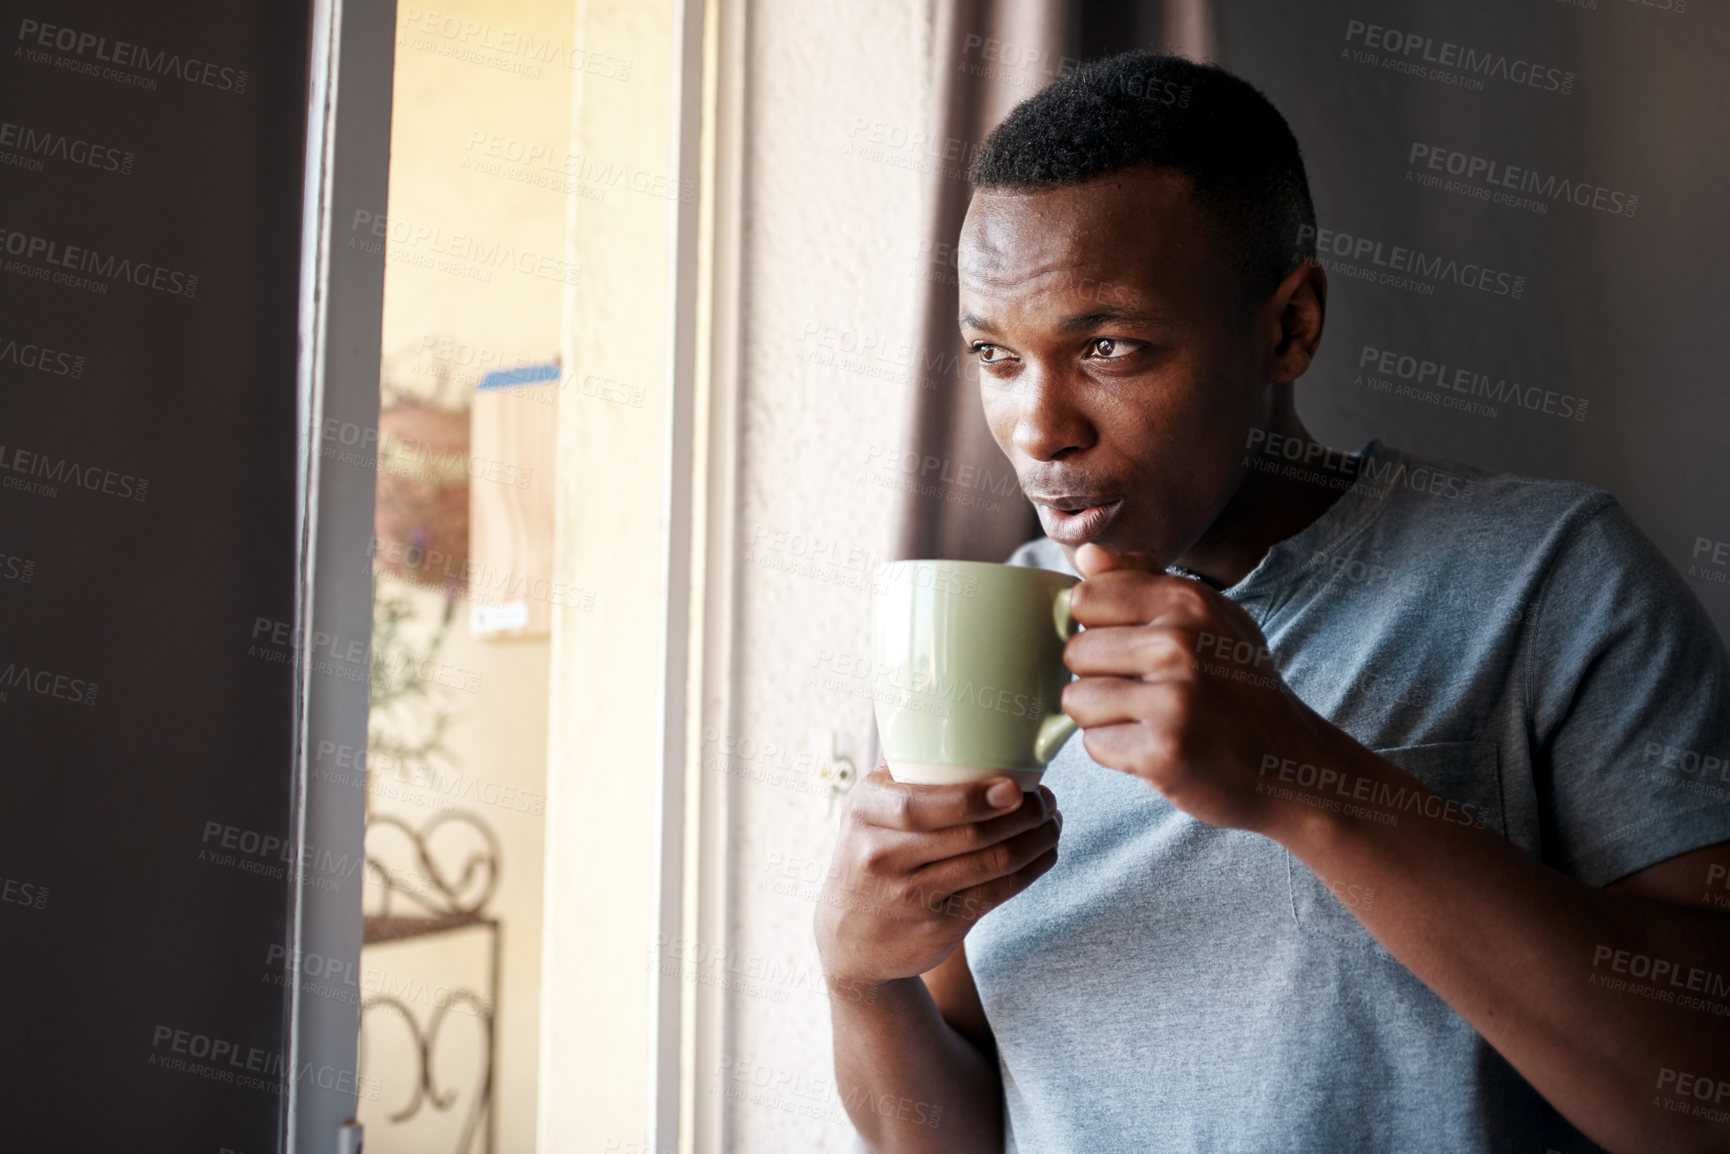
(1074, 521)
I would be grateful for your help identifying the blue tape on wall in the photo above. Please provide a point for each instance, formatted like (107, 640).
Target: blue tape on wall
(522, 375)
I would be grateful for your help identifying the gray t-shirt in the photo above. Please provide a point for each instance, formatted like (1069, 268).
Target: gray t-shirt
(1517, 646)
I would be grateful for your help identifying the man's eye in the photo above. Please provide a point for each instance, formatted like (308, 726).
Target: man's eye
(989, 354)
(1109, 348)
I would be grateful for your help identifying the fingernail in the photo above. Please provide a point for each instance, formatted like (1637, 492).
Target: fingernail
(1058, 817)
(1004, 794)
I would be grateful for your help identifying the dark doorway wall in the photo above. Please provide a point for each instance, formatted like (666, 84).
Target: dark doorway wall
(151, 177)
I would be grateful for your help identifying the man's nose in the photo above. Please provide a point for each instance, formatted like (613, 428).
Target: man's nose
(1050, 424)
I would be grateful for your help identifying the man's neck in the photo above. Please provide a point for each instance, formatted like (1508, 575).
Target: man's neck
(1268, 507)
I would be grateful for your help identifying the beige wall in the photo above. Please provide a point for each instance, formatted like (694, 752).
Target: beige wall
(834, 224)
(479, 141)
(832, 229)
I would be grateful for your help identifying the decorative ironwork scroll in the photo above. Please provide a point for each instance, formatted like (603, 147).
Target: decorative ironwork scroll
(448, 897)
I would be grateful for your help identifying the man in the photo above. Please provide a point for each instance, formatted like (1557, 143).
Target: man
(1391, 823)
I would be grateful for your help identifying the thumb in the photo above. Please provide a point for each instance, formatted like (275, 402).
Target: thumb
(1091, 560)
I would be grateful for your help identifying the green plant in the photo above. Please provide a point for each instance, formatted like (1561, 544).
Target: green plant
(408, 716)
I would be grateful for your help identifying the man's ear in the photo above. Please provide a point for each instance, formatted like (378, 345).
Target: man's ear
(1296, 312)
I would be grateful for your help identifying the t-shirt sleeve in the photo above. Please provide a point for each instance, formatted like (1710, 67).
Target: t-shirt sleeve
(1630, 690)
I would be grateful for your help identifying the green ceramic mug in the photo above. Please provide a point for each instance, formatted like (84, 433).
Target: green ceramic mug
(967, 667)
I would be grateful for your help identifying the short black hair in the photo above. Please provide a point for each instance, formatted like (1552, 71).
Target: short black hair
(1148, 109)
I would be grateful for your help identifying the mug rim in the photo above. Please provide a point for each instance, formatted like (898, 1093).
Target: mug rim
(976, 565)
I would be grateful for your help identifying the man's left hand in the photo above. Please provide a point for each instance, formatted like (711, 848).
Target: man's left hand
(1174, 684)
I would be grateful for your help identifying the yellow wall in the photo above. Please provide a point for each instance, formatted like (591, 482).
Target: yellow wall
(604, 748)
(466, 104)
(475, 248)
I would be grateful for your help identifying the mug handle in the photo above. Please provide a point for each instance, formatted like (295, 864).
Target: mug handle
(1057, 727)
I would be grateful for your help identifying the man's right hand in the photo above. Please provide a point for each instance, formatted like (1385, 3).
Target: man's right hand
(917, 865)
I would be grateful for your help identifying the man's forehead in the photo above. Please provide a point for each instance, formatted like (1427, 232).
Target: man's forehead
(1109, 225)
(1016, 236)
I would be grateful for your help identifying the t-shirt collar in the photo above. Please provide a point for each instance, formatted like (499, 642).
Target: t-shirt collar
(1290, 558)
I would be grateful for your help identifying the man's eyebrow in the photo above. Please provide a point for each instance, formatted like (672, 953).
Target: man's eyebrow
(1081, 322)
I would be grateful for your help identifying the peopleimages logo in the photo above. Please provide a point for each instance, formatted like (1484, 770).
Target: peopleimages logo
(34, 145)
(474, 257)
(80, 259)
(1462, 65)
(1716, 566)
(563, 170)
(1491, 180)
(53, 471)
(26, 678)
(251, 1067)
(1408, 268)
(41, 358)
(511, 49)
(1673, 7)
(124, 54)
(14, 891)
(1453, 379)
(910, 148)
